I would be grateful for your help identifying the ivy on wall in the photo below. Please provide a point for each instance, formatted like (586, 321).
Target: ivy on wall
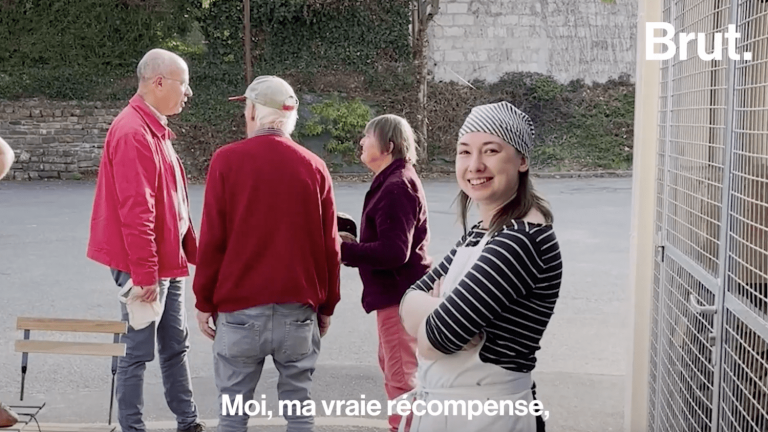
(88, 49)
(95, 34)
(309, 35)
(83, 49)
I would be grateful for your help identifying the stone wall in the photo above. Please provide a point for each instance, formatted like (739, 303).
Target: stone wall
(60, 140)
(568, 39)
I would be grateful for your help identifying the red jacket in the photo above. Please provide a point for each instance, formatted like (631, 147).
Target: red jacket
(134, 224)
(268, 233)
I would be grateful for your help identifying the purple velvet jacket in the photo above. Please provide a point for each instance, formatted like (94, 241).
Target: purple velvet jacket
(392, 251)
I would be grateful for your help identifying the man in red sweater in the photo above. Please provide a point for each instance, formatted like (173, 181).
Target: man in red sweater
(268, 257)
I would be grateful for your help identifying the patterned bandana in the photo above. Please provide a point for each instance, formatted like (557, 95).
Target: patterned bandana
(503, 120)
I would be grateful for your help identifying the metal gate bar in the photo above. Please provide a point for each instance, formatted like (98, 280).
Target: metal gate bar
(724, 233)
(744, 398)
(656, 416)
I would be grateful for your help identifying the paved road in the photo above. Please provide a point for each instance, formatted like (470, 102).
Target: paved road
(581, 367)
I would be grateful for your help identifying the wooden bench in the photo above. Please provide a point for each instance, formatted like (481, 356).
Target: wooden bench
(26, 346)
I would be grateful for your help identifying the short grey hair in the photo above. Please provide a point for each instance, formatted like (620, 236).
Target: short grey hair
(270, 117)
(158, 62)
(389, 128)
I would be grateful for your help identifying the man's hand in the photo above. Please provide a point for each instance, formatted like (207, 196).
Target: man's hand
(149, 293)
(203, 321)
(323, 321)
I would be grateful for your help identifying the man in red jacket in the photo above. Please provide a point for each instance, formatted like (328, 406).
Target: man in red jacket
(268, 264)
(141, 230)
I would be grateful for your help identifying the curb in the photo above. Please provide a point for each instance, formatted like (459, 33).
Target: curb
(320, 421)
(441, 174)
(584, 174)
(360, 177)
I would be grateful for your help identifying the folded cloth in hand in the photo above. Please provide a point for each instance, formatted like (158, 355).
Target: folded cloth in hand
(346, 224)
(140, 313)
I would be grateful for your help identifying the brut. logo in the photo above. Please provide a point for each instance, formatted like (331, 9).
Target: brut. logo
(684, 38)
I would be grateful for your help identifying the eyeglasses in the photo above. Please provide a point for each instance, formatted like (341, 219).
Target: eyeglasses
(184, 84)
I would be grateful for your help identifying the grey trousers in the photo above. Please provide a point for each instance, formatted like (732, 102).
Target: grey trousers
(287, 332)
(172, 336)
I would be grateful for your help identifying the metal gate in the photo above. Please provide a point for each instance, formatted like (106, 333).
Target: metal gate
(709, 333)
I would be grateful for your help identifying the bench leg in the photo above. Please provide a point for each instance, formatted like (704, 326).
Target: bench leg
(111, 400)
(114, 372)
(24, 358)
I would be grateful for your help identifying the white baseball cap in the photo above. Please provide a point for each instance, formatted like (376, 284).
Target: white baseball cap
(272, 92)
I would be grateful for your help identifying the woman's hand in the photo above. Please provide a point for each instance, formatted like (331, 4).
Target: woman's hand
(474, 342)
(435, 292)
(344, 237)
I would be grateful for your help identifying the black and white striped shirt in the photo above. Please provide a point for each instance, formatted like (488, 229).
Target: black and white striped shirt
(509, 293)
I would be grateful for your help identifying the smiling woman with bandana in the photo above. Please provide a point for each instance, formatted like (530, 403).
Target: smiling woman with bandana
(480, 314)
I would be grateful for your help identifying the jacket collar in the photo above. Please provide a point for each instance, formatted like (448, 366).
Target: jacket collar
(397, 165)
(146, 113)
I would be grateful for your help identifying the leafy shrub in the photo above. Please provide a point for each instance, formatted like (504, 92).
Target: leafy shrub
(343, 120)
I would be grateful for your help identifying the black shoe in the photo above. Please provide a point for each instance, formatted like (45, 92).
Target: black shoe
(197, 427)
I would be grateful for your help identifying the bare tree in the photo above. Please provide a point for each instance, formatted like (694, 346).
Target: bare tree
(423, 13)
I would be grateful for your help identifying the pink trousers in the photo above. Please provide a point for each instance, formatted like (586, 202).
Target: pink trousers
(397, 357)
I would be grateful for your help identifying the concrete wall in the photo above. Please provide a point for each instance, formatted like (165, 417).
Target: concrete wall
(569, 39)
(59, 140)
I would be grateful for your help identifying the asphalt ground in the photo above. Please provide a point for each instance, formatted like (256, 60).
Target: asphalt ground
(581, 367)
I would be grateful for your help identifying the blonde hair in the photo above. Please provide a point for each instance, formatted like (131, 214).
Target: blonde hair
(389, 128)
(270, 117)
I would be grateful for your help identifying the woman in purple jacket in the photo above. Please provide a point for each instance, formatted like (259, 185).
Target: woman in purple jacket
(392, 252)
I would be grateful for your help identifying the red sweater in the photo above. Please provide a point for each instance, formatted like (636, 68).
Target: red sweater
(268, 233)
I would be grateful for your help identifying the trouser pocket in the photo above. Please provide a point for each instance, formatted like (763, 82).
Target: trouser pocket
(298, 338)
(238, 340)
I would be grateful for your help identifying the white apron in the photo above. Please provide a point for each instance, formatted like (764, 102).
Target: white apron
(464, 377)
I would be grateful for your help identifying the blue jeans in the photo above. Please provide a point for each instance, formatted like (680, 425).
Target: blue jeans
(287, 332)
(172, 336)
